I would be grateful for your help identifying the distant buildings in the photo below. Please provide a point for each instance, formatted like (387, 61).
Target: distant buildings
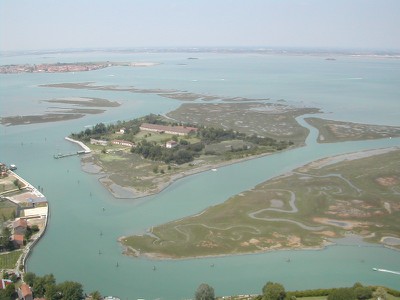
(178, 130)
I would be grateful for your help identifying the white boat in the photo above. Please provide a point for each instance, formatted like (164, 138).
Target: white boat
(13, 167)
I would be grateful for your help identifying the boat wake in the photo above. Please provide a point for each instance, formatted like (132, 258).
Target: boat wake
(386, 271)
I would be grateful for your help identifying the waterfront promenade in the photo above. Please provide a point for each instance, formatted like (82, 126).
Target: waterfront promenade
(35, 210)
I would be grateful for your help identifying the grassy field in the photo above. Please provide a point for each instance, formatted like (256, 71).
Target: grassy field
(328, 198)
(264, 119)
(9, 260)
(7, 210)
(336, 131)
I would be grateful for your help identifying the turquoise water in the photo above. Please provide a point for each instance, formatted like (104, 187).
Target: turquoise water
(353, 89)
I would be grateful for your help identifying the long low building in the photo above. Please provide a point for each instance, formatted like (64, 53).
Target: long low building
(178, 130)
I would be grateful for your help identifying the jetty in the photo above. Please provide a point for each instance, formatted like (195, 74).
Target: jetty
(86, 149)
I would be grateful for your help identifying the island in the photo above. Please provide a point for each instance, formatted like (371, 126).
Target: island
(304, 209)
(67, 111)
(68, 67)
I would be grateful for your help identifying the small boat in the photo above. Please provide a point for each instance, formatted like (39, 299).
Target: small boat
(375, 269)
(154, 268)
(214, 170)
(13, 167)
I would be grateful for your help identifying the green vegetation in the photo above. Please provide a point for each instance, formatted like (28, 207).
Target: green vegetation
(304, 208)
(336, 131)
(204, 292)
(276, 291)
(152, 146)
(46, 286)
(273, 291)
(149, 165)
(9, 260)
(30, 230)
(8, 210)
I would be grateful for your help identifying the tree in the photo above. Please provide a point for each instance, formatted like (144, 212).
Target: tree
(39, 286)
(341, 294)
(52, 292)
(42, 283)
(10, 292)
(204, 292)
(362, 292)
(29, 278)
(273, 291)
(71, 290)
(95, 295)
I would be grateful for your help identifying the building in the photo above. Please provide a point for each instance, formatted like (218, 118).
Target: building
(178, 130)
(18, 240)
(20, 226)
(122, 143)
(25, 292)
(4, 283)
(98, 142)
(171, 144)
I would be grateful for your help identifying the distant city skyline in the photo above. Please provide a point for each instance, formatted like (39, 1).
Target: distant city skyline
(340, 24)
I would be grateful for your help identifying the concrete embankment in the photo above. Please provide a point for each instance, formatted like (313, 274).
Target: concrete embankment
(28, 247)
(86, 148)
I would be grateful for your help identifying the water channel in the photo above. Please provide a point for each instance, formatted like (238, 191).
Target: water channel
(86, 220)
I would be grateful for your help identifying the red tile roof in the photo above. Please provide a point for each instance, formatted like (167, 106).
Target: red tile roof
(25, 290)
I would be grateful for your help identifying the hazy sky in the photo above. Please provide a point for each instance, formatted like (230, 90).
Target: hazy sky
(56, 24)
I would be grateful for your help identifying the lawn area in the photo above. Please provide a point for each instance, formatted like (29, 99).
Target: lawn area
(9, 260)
(7, 210)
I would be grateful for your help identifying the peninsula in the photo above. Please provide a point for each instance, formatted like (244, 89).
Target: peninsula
(287, 212)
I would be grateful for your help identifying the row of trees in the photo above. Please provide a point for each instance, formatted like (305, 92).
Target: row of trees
(179, 155)
(276, 291)
(207, 135)
(46, 286)
(131, 128)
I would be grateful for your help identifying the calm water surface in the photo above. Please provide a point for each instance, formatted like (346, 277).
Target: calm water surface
(352, 89)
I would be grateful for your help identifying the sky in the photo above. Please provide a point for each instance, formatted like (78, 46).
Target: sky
(62, 24)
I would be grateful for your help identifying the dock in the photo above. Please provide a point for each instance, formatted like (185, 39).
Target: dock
(60, 155)
(86, 149)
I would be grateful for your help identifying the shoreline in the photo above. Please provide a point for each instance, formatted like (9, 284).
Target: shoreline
(129, 251)
(135, 194)
(26, 251)
(134, 253)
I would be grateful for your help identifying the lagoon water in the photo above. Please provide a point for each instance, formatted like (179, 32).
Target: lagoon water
(86, 219)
